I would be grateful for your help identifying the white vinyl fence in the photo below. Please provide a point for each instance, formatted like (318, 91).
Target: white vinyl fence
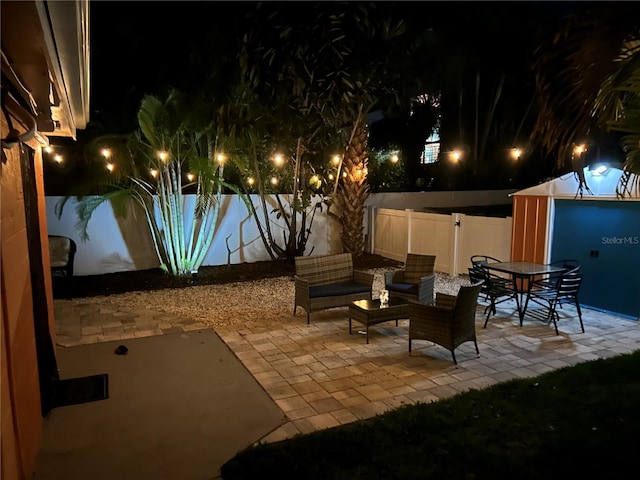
(118, 245)
(124, 244)
(453, 238)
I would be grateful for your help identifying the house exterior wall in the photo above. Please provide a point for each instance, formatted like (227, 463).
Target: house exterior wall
(21, 407)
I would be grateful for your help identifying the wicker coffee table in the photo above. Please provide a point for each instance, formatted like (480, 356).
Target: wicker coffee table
(370, 312)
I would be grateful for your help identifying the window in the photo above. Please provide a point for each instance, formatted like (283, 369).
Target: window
(431, 148)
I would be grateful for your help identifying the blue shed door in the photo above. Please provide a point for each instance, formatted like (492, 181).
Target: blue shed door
(604, 236)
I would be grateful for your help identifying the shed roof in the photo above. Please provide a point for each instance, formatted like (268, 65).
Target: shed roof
(601, 187)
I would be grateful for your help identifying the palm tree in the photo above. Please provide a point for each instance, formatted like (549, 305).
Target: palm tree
(314, 87)
(588, 77)
(149, 167)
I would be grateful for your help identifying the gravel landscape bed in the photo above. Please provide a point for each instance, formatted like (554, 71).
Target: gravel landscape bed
(235, 304)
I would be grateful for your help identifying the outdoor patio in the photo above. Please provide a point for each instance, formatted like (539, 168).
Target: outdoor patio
(320, 376)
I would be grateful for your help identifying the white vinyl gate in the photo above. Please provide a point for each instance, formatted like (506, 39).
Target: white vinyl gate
(453, 238)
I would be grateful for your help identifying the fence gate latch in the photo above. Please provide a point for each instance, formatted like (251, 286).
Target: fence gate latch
(457, 224)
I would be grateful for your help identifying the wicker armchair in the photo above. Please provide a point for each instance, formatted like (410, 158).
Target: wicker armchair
(450, 322)
(416, 281)
(62, 253)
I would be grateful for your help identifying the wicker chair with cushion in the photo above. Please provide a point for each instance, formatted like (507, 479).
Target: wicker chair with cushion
(329, 281)
(62, 252)
(416, 281)
(450, 322)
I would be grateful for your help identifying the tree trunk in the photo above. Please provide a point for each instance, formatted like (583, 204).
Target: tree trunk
(354, 189)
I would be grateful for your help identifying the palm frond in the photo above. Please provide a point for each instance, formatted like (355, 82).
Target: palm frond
(574, 74)
(88, 205)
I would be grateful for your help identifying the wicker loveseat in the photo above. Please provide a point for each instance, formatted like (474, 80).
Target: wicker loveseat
(329, 281)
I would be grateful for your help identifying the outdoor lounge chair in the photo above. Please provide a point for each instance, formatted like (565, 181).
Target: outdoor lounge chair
(450, 322)
(62, 252)
(415, 281)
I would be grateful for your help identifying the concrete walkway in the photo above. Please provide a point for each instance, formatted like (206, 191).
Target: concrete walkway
(320, 376)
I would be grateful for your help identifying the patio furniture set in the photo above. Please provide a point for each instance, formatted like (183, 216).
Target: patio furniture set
(329, 281)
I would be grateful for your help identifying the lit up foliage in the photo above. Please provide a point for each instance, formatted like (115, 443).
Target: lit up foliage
(150, 169)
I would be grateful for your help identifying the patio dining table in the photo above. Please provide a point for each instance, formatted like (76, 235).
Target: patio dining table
(522, 274)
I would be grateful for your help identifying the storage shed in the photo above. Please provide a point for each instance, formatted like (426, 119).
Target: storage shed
(551, 221)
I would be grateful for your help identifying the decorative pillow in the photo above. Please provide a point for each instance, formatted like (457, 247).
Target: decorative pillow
(417, 266)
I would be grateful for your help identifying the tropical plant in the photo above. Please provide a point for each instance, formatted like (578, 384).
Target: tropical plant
(149, 167)
(588, 78)
(322, 78)
(288, 103)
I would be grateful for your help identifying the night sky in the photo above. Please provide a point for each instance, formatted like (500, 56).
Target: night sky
(139, 47)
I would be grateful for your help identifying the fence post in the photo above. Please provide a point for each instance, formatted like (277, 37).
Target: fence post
(371, 222)
(455, 247)
(409, 229)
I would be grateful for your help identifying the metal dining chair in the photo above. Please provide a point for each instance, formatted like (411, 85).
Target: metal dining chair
(550, 281)
(494, 289)
(479, 260)
(565, 292)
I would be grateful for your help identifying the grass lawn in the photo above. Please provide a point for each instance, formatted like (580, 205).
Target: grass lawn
(577, 422)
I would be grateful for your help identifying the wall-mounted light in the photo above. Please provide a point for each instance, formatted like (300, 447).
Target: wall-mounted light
(57, 158)
(274, 181)
(190, 176)
(455, 156)
(105, 152)
(153, 172)
(110, 167)
(163, 156)
(394, 158)
(250, 181)
(42, 140)
(335, 160)
(599, 169)
(48, 149)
